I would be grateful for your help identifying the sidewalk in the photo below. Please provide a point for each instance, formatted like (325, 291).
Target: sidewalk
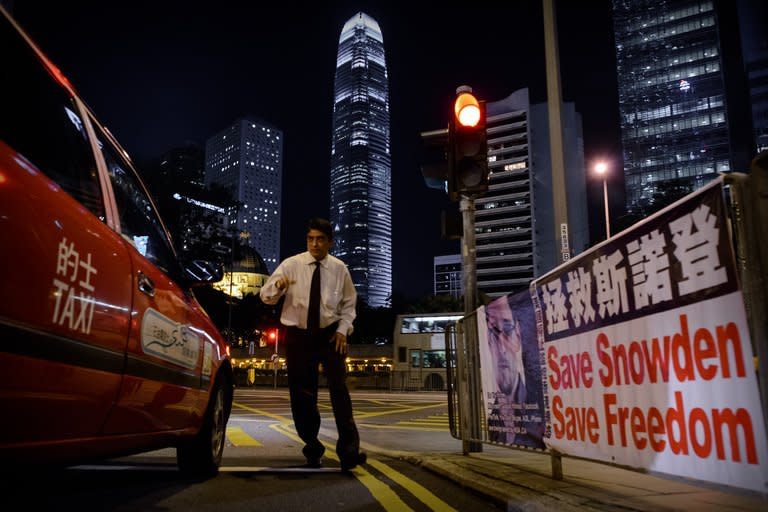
(521, 480)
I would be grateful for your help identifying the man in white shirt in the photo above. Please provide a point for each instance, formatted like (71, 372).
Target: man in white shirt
(318, 325)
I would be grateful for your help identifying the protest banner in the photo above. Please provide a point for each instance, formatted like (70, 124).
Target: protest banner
(647, 355)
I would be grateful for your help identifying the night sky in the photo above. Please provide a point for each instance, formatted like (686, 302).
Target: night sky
(164, 72)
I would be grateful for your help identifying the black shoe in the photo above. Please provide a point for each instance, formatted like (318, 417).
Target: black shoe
(358, 459)
(314, 463)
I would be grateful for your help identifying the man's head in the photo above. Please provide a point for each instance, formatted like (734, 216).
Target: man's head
(319, 237)
(504, 340)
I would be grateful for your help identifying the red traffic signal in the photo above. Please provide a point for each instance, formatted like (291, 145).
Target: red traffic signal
(468, 165)
(269, 337)
(467, 110)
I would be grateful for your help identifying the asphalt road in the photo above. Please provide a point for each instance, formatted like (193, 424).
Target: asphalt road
(263, 466)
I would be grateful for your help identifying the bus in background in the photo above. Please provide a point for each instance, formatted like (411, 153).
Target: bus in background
(419, 350)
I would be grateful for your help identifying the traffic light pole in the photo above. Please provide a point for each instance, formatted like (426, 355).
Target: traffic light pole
(275, 359)
(465, 173)
(471, 343)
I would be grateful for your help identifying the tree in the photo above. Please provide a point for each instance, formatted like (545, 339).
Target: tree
(373, 325)
(442, 303)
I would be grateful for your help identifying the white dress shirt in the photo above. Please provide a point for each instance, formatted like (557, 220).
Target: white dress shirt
(337, 292)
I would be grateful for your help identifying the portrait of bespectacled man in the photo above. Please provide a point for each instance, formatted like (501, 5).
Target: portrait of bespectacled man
(515, 403)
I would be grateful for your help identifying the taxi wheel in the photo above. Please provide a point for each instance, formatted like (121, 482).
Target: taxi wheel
(201, 455)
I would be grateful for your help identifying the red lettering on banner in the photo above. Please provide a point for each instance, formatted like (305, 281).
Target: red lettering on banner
(606, 376)
(554, 376)
(702, 447)
(657, 360)
(726, 417)
(707, 430)
(636, 364)
(640, 361)
(638, 427)
(656, 428)
(702, 353)
(676, 417)
(576, 424)
(725, 334)
(681, 341)
(576, 368)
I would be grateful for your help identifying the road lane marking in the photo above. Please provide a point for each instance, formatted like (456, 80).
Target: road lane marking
(404, 427)
(380, 491)
(399, 410)
(274, 469)
(238, 437)
(276, 417)
(417, 490)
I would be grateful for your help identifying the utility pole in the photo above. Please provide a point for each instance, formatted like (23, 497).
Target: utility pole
(554, 108)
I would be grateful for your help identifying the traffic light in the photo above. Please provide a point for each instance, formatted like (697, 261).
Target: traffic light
(468, 158)
(268, 337)
(435, 150)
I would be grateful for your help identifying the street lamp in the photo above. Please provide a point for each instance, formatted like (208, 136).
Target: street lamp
(601, 168)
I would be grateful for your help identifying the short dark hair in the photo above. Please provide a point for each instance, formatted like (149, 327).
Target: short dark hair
(321, 224)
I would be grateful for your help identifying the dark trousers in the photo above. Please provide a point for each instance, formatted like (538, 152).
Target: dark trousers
(303, 354)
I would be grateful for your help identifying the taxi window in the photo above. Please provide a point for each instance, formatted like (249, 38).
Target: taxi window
(138, 221)
(39, 120)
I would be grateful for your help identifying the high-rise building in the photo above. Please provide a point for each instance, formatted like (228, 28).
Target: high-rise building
(753, 20)
(183, 164)
(682, 95)
(247, 158)
(449, 279)
(361, 195)
(514, 223)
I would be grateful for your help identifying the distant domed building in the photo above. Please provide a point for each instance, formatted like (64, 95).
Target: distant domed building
(247, 274)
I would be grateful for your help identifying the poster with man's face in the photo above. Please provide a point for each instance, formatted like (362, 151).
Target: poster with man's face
(511, 371)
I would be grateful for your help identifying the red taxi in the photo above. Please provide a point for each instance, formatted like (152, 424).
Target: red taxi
(104, 351)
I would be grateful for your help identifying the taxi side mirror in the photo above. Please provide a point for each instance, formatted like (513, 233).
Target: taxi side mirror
(201, 272)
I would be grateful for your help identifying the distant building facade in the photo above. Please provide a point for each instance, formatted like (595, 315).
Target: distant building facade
(685, 113)
(183, 164)
(514, 222)
(448, 275)
(360, 180)
(247, 158)
(753, 20)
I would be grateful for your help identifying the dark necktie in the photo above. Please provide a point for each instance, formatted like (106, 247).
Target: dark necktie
(313, 313)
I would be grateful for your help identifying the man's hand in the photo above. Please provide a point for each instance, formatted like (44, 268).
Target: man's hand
(341, 343)
(282, 283)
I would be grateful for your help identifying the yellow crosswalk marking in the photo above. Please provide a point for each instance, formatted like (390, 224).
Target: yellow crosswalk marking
(238, 437)
(416, 489)
(387, 498)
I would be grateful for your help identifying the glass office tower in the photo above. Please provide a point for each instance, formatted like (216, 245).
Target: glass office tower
(677, 107)
(361, 195)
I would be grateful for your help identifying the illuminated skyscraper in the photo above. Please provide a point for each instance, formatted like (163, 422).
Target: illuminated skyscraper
(247, 158)
(361, 195)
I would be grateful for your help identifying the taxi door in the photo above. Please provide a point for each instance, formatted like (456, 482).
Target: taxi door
(64, 308)
(162, 372)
